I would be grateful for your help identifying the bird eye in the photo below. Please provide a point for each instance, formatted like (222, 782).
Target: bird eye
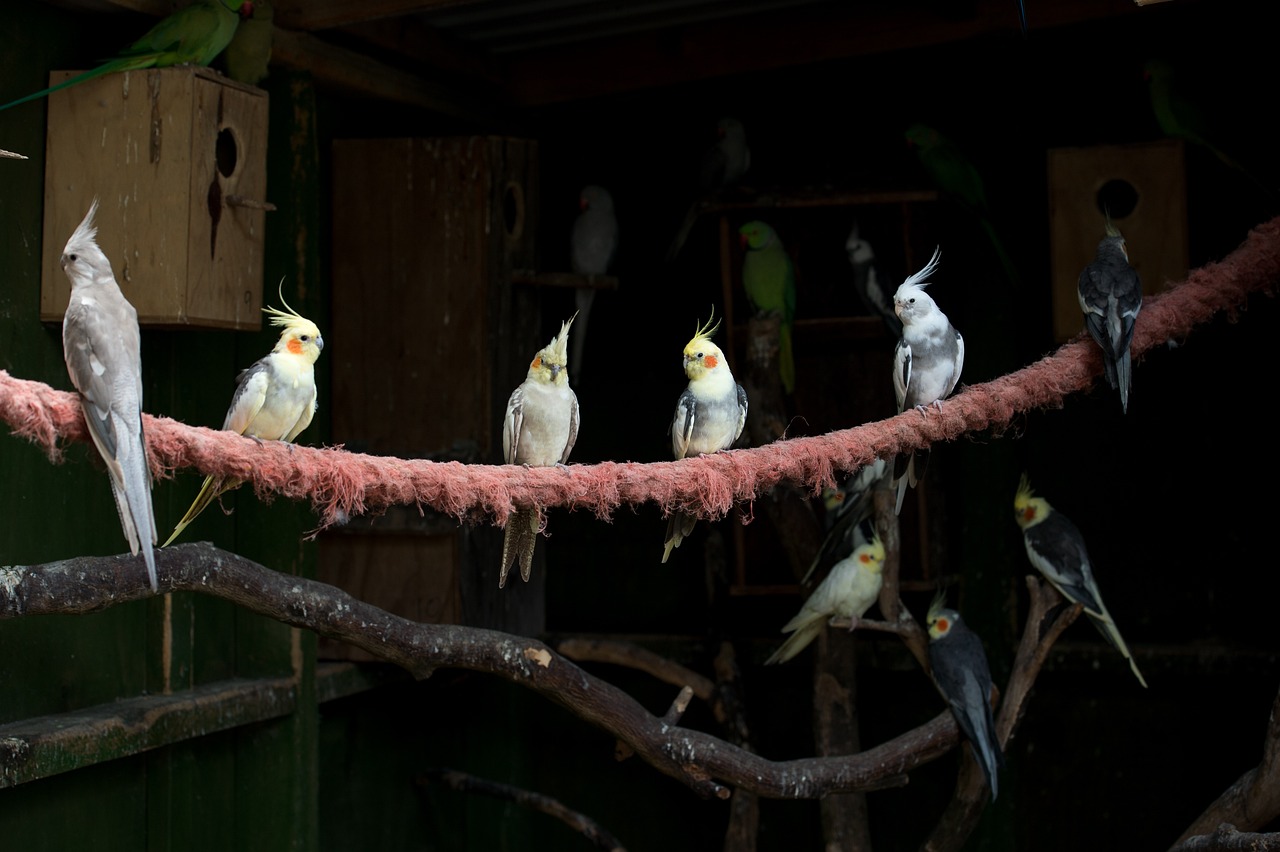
(304, 337)
(73, 257)
(911, 301)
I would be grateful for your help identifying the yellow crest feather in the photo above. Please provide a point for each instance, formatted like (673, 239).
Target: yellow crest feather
(704, 332)
(287, 317)
(1024, 493)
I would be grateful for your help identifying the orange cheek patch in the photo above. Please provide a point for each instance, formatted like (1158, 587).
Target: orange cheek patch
(710, 362)
(537, 362)
(294, 346)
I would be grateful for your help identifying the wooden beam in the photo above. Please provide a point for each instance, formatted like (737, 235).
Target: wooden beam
(31, 749)
(327, 14)
(358, 74)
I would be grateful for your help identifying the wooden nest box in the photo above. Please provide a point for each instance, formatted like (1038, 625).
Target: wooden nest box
(177, 160)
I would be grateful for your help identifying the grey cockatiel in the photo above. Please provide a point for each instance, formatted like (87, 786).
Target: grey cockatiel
(1110, 295)
(710, 414)
(926, 363)
(593, 244)
(723, 165)
(100, 341)
(962, 675)
(539, 430)
(866, 281)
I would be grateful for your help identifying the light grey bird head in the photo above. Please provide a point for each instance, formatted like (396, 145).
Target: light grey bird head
(910, 300)
(595, 198)
(82, 260)
(859, 250)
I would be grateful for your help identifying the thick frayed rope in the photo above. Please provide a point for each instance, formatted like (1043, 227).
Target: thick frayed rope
(342, 485)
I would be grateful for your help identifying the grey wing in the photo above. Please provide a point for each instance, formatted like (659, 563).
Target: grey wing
(682, 423)
(251, 390)
(901, 372)
(574, 420)
(511, 425)
(742, 413)
(92, 370)
(959, 364)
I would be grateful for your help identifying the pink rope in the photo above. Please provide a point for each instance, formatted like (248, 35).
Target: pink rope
(340, 484)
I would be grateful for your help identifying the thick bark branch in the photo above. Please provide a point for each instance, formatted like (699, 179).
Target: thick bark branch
(704, 763)
(1252, 801)
(1226, 839)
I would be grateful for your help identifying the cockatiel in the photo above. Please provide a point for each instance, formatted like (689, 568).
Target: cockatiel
(770, 281)
(848, 591)
(274, 399)
(709, 415)
(593, 244)
(962, 675)
(957, 178)
(192, 35)
(1056, 547)
(102, 347)
(723, 165)
(1110, 296)
(847, 506)
(926, 363)
(866, 281)
(539, 430)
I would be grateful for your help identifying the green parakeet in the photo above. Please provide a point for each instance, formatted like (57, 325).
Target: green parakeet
(193, 35)
(770, 281)
(1182, 118)
(956, 177)
(249, 53)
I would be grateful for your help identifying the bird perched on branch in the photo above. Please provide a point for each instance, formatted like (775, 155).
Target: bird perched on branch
(847, 506)
(926, 364)
(102, 347)
(709, 415)
(539, 430)
(1056, 548)
(866, 281)
(274, 399)
(962, 675)
(192, 35)
(723, 165)
(1110, 295)
(769, 278)
(593, 244)
(958, 179)
(848, 591)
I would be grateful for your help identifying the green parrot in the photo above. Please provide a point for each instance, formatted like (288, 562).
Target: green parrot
(193, 35)
(1181, 118)
(247, 56)
(770, 282)
(956, 177)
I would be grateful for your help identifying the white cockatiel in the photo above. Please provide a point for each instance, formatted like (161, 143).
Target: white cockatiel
(539, 430)
(102, 347)
(1056, 547)
(709, 415)
(848, 591)
(926, 363)
(274, 399)
(866, 281)
(593, 244)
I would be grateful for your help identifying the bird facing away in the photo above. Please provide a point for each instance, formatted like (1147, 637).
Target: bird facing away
(848, 591)
(961, 673)
(593, 244)
(248, 55)
(722, 166)
(274, 399)
(926, 363)
(709, 415)
(866, 281)
(102, 347)
(1056, 548)
(539, 430)
(192, 35)
(1110, 295)
(846, 507)
(769, 278)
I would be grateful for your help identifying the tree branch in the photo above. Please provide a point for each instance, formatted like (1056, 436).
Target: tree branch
(704, 763)
(1252, 801)
(1225, 838)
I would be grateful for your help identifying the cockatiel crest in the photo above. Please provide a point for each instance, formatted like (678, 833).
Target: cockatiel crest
(913, 287)
(1028, 508)
(939, 618)
(700, 354)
